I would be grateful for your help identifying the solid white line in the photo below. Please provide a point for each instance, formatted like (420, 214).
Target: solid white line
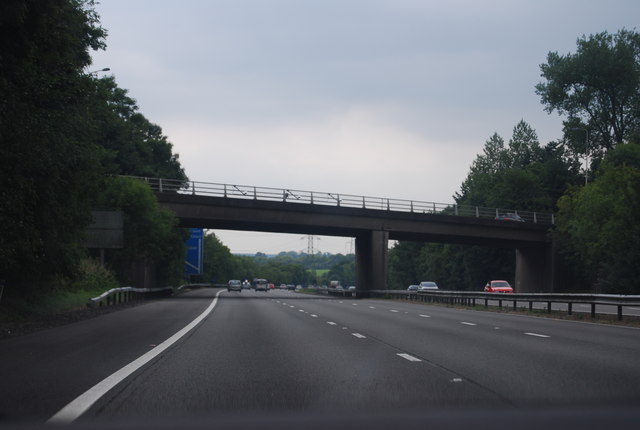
(359, 336)
(537, 335)
(83, 402)
(408, 357)
(467, 323)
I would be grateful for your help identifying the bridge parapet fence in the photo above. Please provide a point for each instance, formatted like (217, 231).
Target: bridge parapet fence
(285, 195)
(468, 298)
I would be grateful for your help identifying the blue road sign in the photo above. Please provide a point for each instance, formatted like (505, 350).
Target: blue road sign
(193, 261)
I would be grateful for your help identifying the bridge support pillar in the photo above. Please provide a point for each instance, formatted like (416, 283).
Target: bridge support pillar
(536, 269)
(371, 260)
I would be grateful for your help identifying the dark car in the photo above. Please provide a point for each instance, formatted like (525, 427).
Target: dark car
(509, 216)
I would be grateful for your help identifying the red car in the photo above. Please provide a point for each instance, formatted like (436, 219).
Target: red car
(498, 287)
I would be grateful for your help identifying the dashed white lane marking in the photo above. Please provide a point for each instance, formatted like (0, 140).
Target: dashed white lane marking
(393, 310)
(314, 316)
(331, 323)
(537, 335)
(292, 306)
(359, 336)
(82, 403)
(300, 310)
(467, 323)
(425, 316)
(408, 357)
(354, 304)
(456, 380)
(372, 307)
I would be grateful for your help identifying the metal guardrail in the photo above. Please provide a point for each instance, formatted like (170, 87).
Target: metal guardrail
(248, 192)
(125, 294)
(471, 298)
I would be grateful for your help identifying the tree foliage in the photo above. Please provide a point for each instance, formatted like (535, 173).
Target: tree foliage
(151, 233)
(61, 131)
(598, 88)
(597, 225)
(49, 164)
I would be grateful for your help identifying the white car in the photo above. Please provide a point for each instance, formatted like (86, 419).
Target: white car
(234, 285)
(427, 286)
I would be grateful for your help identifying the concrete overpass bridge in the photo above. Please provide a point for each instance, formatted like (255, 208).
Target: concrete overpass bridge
(372, 221)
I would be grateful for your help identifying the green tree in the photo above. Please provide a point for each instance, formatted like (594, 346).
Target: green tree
(219, 264)
(135, 146)
(404, 264)
(597, 226)
(50, 167)
(151, 233)
(598, 88)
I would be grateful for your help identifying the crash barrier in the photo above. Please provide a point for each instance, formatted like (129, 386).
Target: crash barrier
(467, 298)
(126, 294)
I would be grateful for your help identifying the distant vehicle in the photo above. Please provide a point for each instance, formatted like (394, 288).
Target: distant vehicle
(246, 285)
(334, 284)
(413, 288)
(260, 284)
(291, 287)
(351, 288)
(509, 216)
(271, 286)
(234, 285)
(283, 286)
(498, 287)
(427, 285)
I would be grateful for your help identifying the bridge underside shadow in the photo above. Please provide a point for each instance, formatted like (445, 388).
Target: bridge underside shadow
(372, 229)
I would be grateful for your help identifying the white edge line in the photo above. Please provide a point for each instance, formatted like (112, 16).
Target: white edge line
(83, 402)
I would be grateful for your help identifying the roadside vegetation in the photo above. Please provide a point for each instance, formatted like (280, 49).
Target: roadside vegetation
(65, 135)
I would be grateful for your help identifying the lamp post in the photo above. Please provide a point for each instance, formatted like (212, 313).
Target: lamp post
(106, 69)
(586, 154)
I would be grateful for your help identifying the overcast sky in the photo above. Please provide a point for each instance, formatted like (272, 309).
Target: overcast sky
(385, 98)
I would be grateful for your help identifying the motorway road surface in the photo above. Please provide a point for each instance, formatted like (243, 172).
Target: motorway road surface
(282, 352)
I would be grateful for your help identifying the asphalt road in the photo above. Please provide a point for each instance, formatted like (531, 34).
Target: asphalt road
(282, 352)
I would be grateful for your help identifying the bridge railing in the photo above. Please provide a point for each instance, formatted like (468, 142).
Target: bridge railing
(249, 192)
